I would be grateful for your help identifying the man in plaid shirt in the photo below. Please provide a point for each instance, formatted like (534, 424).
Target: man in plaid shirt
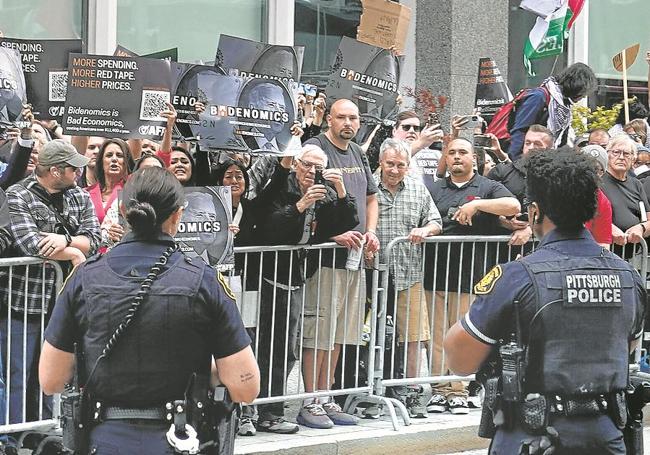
(50, 217)
(405, 209)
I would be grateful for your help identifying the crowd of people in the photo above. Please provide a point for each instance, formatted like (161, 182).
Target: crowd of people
(61, 202)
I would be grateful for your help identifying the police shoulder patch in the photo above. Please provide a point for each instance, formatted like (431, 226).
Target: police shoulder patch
(487, 283)
(224, 285)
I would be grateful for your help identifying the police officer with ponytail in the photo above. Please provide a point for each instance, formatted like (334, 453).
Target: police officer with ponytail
(551, 333)
(148, 325)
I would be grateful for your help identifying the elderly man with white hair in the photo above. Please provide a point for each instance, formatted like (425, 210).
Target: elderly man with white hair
(406, 209)
(630, 204)
(297, 208)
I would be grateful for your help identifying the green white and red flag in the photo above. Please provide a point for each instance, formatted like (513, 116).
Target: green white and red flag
(546, 38)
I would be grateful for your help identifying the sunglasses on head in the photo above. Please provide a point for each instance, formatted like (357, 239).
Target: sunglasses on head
(416, 128)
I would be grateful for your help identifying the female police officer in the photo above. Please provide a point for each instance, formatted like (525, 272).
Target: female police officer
(579, 308)
(186, 318)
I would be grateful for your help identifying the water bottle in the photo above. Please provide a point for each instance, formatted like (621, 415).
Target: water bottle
(390, 330)
(354, 257)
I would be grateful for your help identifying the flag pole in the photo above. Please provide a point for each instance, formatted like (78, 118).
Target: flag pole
(625, 104)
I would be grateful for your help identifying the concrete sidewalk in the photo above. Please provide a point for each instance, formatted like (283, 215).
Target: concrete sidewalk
(436, 434)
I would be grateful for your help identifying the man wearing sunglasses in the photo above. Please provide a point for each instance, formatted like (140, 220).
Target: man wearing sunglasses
(425, 143)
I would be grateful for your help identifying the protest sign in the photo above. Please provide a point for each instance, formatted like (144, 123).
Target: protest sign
(260, 60)
(367, 75)
(45, 64)
(247, 115)
(622, 61)
(186, 93)
(492, 92)
(167, 54)
(385, 24)
(203, 230)
(12, 87)
(117, 96)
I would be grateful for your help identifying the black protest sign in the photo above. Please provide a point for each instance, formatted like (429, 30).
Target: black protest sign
(12, 87)
(367, 75)
(45, 64)
(167, 54)
(247, 115)
(260, 60)
(492, 92)
(117, 96)
(186, 93)
(203, 230)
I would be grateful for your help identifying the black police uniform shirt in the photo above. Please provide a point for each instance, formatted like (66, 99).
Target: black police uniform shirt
(447, 273)
(625, 197)
(491, 318)
(188, 317)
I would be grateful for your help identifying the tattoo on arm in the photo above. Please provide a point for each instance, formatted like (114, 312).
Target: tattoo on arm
(246, 377)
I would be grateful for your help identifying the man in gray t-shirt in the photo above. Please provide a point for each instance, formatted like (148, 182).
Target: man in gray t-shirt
(334, 310)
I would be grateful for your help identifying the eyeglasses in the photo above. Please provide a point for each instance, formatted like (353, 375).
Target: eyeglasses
(308, 165)
(616, 153)
(416, 128)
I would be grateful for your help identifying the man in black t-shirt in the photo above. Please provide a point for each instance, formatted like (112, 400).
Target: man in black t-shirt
(630, 204)
(335, 296)
(513, 176)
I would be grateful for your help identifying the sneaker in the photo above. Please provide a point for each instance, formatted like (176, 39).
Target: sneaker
(415, 402)
(277, 425)
(437, 403)
(337, 416)
(314, 416)
(458, 405)
(246, 427)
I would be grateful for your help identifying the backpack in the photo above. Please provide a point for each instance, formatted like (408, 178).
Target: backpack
(504, 119)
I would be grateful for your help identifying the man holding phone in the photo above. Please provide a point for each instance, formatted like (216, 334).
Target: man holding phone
(425, 143)
(512, 175)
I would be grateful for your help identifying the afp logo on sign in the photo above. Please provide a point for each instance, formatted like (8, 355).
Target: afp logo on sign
(151, 130)
(56, 111)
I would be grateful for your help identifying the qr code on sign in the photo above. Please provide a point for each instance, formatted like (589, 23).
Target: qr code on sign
(58, 85)
(153, 103)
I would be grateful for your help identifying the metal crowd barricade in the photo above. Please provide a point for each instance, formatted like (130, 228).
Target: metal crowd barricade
(290, 367)
(426, 300)
(23, 407)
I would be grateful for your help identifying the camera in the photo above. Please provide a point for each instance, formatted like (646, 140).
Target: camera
(433, 119)
(471, 122)
(482, 140)
(318, 178)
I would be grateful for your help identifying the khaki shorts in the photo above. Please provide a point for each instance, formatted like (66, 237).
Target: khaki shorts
(326, 324)
(409, 304)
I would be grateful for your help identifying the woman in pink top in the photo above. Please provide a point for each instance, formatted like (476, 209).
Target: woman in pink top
(114, 164)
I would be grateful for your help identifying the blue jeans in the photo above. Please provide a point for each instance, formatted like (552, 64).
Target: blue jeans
(17, 362)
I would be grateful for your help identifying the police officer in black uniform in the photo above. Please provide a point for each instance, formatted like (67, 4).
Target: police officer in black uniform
(186, 319)
(562, 320)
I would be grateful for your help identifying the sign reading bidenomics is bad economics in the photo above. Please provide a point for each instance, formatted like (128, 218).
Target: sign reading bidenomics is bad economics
(45, 64)
(365, 74)
(116, 96)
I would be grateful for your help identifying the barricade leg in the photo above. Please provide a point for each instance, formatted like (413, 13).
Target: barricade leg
(277, 335)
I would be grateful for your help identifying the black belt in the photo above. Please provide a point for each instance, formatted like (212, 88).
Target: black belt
(119, 413)
(577, 406)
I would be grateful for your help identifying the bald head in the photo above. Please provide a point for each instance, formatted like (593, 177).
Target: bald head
(343, 122)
